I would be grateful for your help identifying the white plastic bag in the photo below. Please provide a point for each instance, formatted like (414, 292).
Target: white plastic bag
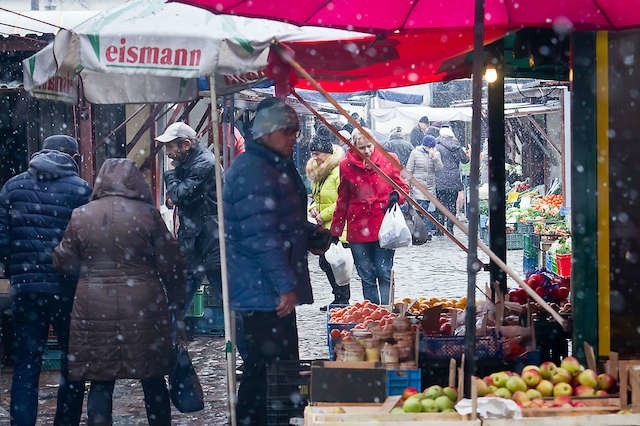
(394, 232)
(341, 261)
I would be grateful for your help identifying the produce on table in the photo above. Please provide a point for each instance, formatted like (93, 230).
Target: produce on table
(362, 314)
(417, 306)
(547, 380)
(553, 289)
(434, 399)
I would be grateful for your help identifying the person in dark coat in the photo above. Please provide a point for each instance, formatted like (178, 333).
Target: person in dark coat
(399, 145)
(448, 182)
(268, 236)
(130, 274)
(191, 186)
(35, 207)
(419, 132)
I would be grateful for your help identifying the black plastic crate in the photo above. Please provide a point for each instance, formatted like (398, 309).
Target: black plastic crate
(287, 391)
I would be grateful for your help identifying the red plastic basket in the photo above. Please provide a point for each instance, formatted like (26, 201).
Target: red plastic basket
(563, 262)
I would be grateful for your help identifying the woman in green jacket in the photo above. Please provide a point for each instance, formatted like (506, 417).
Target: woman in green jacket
(323, 171)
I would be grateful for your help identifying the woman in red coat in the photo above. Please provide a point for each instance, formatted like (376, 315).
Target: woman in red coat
(363, 198)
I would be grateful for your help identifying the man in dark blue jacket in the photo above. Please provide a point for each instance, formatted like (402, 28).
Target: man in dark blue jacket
(35, 207)
(191, 186)
(268, 236)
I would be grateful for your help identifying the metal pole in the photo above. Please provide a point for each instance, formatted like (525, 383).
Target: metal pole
(228, 330)
(497, 178)
(474, 180)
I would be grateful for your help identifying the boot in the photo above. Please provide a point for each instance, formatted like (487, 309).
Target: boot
(325, 307)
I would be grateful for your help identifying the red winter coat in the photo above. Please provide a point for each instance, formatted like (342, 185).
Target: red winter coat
(363, 196)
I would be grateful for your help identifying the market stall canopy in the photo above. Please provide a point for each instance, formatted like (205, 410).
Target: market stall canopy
(388, 16)
(148, 51)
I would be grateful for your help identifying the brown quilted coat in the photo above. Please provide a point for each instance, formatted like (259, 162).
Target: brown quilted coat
(128, 266)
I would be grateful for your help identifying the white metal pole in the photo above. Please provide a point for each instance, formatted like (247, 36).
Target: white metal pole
(228, 329)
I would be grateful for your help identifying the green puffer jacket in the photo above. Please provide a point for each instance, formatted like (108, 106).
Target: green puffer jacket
(326, 179)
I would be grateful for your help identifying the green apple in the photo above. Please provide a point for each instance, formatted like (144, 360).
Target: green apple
(432, 392)
(562, 389)
(503, 393)
(572, 365)
(561, 376)
(449, 410)
(491, 389)
(588, 378)
(429, 405)
(533, 393)
(547, 369)
(500, 379)
(412, 405)
(545, 387)
(443, 403)
(397, 410)
(482, 387)
(606, 382)
(515, 383)
(451, 393)
(530, 367)
(531, 377)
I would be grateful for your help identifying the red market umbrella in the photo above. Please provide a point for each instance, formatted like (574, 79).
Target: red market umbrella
(388, 16)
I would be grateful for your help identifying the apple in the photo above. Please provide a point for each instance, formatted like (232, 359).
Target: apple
(444, 403)
(561, 376)
(537, 403)
(446, 328)
(450, 410)
(601, 393)
(520, 396)
(533, 394)
(412, 405)
(547, 369)
(562, 401)
(488, 380)
(606, 382)
(491, 389)
(500, 379)
(451, 393)
(588, 378)
(397, 410)
(432, 392)
(429, 405)
(482, 387)
(545, 387)
(503, 393)
(562, 389)
(407, 392)
(572, 365)
(515, 383)
(530, 367)
(531, 377)
(584, 390)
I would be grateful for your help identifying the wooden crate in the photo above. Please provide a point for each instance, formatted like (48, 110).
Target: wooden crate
(572, 420)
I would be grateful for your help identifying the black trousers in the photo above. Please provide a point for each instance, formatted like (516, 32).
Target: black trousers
(448, 197)
(341, 293)
(156, 401)
(267, 339)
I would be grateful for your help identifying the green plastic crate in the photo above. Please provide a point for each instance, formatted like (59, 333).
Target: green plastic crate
(515, 241)
(531, 245)
(197, 306)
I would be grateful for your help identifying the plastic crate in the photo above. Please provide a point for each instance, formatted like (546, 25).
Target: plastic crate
(550, 263)
(330, 341)
(447, 347)
(531, 245)
(398, 380)
(529, 265)
(197, 305)
(515, 241)
(51, 359)
(288, 385)
(524, 227)
(563, 263)
(211, 323)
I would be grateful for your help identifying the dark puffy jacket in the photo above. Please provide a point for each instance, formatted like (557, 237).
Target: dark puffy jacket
(35, 207)
(267, 232)
(452, 154)
(192, 188)
(400, 147)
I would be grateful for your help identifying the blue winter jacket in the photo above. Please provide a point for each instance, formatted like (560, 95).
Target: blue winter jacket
(267, 232)
(35, 207)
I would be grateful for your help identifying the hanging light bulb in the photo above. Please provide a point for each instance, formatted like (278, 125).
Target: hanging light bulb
(490, 75)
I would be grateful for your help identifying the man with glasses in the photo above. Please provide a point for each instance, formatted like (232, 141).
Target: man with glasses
(191, 186)
(268, 236)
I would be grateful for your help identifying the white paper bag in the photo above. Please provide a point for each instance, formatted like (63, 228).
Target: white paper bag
(394, 232)
(341, 261)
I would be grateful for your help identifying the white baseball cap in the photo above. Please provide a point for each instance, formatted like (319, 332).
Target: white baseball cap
(175, 131)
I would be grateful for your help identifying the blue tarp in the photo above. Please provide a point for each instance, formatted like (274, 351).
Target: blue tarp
(403, 98)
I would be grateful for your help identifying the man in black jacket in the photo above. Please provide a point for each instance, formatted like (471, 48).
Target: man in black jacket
(35, 207)
(191, 186)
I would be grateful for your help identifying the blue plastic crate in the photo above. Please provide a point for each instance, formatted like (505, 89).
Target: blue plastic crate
(211, 323)
(398, 380)
(529, 265)
(330, 342)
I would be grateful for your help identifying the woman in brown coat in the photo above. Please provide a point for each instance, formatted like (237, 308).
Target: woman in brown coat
(129, 268)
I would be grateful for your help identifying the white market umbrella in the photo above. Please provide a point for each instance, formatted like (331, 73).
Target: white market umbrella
(149, 51)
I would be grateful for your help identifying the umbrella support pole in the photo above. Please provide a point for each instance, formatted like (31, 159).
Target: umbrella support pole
(228, 330)
(287, 57)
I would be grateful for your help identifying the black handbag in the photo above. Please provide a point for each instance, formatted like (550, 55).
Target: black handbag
(184, 385)
(417, 226)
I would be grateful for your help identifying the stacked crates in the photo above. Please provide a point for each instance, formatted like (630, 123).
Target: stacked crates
(288, 385)
(531, 255)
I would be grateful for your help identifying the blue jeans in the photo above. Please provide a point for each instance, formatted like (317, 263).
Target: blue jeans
(425, 205)
(374, 268)
(32, 315)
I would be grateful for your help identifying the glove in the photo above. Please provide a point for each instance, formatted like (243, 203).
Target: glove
(393, 199)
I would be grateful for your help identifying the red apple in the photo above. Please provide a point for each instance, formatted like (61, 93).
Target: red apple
(446, 328)
(588, 378)
(408, 392)
(606, 382)
(520, 396)
(547, 369)
(583, 390)
(562, 400)
(488, 380)
(535, 280)
(531, 377)
(572, 365)
(601, 393)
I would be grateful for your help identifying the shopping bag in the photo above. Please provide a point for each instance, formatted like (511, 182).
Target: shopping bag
(417, 226)
(341, 261)
(394, 232)
(184, 385)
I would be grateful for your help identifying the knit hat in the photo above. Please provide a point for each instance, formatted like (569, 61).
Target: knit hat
(322, 141)
(276, 116)
(424, 119)
(446, 132)
(62, 143)
(429, 141)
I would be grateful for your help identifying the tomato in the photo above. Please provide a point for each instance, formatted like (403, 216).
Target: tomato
(335, 333)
